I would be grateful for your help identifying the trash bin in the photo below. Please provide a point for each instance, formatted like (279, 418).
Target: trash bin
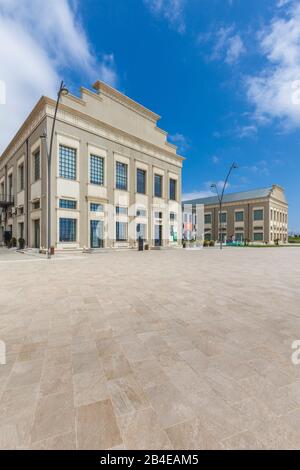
(141, 244)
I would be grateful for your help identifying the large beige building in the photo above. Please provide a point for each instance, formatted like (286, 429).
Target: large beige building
(114, 178)
(259, 215)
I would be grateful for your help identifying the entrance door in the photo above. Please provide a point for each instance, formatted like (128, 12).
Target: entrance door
(37, 233)
(96, 233)
(158, 235)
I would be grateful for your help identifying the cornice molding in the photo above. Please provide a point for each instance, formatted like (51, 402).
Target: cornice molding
(124, 100)
(239, 203)
(45, 107)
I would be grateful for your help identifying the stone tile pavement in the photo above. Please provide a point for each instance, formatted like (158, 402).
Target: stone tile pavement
(155, 350)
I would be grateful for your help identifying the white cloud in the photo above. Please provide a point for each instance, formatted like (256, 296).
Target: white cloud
(246, 131)
(259, 168)
(215, 159)
(235, 49)
(275, 92)
(38, 44)
(227, 45)
(181, 141)
(170, 10)
(282, 3)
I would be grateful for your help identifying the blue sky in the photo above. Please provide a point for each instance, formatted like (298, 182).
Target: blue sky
(223, 74)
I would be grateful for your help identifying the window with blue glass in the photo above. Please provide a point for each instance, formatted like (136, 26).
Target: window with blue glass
(141, 213)
(67, 230)
(223, 217)
(67, 204)
(95, 207)
(67, 162)
(96, 170)
(172, 189)
(121, 210)
(207, 218)
(158, 185)
(141, 181)
(141, 231)
(239, 216)
(121, 175)
(258, 214)
(96, 233)
(258, 236)
(121, 231)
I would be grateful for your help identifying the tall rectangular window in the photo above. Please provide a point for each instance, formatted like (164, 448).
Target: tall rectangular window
(158, 185)
(96, 207)
(223, 217)
(258, 237)
(141, 181)
(67, 162)
(36, 166)
(96, 170)
(239, 236)
(141, 213)
(121, 231)
(258, 214)
(21, 177)
(121, 175)
(239, 216)
(36, 204)
(67, 204)
(10, 188)
(121, 210)
(21, 229)
(141, 231)
(207, 218)
(67, 230)
(172, 189)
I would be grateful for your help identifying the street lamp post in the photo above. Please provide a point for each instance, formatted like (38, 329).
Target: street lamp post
(63, 91)
(220, 198)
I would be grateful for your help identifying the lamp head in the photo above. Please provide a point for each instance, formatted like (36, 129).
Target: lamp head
(63, 90)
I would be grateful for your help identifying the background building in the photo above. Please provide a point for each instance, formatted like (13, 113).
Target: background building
(259, 215)
(193, 222)
(115, 177)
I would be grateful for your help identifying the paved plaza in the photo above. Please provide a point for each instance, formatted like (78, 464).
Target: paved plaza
(171, 349)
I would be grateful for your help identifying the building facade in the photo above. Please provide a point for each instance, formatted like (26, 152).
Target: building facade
(193, 222)
(115, 178)
(257, 216)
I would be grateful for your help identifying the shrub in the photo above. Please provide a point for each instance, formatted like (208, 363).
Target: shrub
(14, 242)
(211, 243)
(206, 243)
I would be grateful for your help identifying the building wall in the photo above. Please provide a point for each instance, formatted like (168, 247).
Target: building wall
(108, 195)
(135, 140)
(23, 212)
(250, 229)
